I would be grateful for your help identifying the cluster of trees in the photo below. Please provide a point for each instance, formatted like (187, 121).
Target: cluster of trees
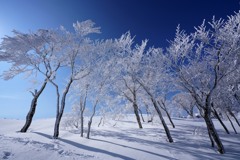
(199, 69)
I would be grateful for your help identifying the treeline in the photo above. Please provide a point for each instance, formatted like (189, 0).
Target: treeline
(201, 68)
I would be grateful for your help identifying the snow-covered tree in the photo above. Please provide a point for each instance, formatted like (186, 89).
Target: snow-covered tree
(27, 53)
(101, 78)
(127, 83)
(185, 102)
(202, 60)
(154, 80)
(77, 57)
(51, 52)
(164, 105)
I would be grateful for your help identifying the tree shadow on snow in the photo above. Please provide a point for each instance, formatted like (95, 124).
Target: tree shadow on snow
(92, 149)
(185, 141)
(198, 146)
(159, 155)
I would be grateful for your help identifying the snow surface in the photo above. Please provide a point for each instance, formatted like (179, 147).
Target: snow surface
(115, 140)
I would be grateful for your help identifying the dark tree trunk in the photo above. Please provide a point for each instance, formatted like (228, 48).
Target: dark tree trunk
(232, 114)
(210, 137)
(91, 118)
(32, 110)
(149, 114)
(163, 106)
(213, 131)
(170, 119)
(56, 126)
(162, 120)
(100, 121)
(141, 115)
(89, 128)
(135, 107)
(219, 119)
(59, 114)
(159, 113)
(231, 123)
(82, 109)
(82, 120)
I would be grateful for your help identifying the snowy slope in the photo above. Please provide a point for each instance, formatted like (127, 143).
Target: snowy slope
(123, 141)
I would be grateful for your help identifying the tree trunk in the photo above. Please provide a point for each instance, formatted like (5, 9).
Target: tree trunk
(59, 115)
(100, 121)
(82, 118)
(210, 137)
(159, 113)
(163, 106)
(32, 110)
(191, 112)
(162, 120)
(141, 115)
(170, 119)
(82, 109)
(231, 123)
(213, 132)
(89, 128)
(56, 126)
(135, 107)
(232, 114)
(149, 114)
(91, 118)
(219, 119)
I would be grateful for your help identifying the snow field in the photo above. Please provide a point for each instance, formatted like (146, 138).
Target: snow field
(115, 140)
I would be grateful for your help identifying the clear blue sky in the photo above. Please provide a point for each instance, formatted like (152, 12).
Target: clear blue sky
(155, 20)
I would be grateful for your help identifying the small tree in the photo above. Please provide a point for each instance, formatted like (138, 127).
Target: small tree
(185, 102)
(126, 83)
(77, 56)
(162, 102)
(154, 80)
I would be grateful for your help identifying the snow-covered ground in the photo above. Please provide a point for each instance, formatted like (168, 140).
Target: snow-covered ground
(115, 140)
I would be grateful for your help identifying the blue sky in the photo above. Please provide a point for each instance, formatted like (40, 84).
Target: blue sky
(155, 20)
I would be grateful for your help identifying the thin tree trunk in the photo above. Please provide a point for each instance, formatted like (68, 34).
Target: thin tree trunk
(231, 123)
(213, 132)
(82, 108)
(135, 107)
(141, 115)
(59, 115)
(32, 110)
(100, 122)
(219, 119)
(170, 119)
(91, 118)
(82, 118)
(232, 114)
(76, 125)
(163, 106)
(162, 120)
(149, 114)
(159, 113)
(89, 128)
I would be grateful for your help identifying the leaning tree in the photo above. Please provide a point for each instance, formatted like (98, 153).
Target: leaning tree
(126, 83)
(27, 52)
(76, 57)
(202, 60)
(154, 80)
